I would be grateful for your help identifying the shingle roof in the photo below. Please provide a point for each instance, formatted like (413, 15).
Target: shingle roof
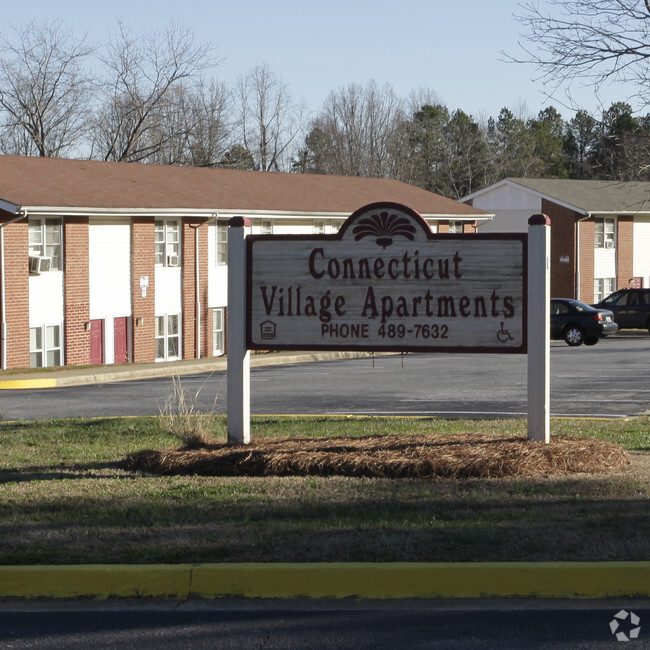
(66, 183)
(617, 197)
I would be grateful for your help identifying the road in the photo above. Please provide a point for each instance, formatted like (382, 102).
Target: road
(610, 379)
(355, 625)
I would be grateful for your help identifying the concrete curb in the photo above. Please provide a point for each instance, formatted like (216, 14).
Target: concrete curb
(579, 580)
(70, 376)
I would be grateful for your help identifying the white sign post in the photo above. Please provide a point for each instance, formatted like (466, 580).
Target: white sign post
(238, 401)
(539, 324)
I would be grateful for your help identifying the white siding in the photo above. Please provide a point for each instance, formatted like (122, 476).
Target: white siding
(508, 221)
(508, 197)
(641, 255)
(109, 276)
(217, 275)
(109, 253)
(511, 206)
(604, 263)
(168, 290)
(46, 299)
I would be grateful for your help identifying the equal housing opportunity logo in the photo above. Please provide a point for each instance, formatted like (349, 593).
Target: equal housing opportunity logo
(625, 626)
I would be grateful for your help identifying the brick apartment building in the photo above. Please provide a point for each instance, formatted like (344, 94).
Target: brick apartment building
(106, 263)
(600, 230)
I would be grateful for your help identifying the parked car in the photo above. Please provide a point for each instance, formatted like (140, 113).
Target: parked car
(578, 323)
(631, 308)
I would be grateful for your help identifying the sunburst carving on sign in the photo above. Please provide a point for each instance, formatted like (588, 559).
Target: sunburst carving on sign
(384, 227)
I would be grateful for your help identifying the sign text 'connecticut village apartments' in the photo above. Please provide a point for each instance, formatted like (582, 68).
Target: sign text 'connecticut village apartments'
(386, 282)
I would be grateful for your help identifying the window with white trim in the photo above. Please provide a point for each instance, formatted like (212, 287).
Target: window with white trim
(603, 287)
(262, 227)
(168, 337)
(218, 332)
(168, 243)
(45, 346)
(45, 240)
(322, 226)
(222, 242)
(605, 233)
(456, 227)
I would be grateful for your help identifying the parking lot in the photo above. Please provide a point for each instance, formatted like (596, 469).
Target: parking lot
(609, 379)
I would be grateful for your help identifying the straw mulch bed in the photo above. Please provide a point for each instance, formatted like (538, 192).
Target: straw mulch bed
(412, 456)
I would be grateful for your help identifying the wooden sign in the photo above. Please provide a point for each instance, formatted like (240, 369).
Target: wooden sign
(386, 282)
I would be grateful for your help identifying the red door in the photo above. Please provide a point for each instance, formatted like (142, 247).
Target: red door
(121, 339)
(96, 342)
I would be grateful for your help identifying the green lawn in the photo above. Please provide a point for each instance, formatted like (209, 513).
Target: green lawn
(65, 497)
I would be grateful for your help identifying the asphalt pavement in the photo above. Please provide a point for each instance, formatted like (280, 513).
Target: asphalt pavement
(357, 625)
(79, 375)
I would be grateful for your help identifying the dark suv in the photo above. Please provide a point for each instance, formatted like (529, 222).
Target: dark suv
(631, 308)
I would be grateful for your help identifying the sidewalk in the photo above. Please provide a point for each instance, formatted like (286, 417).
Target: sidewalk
(76, 376)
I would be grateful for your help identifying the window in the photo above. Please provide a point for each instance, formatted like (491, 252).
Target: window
(45, 237)
(168, 340)
(168, 243)
(222, 243)
(45, 348)
(218, 333)
(456, 227)
(262, 227)
(603, 287)
(604, 233)
(322, 226)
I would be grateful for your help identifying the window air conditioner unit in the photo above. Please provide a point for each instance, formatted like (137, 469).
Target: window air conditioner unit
(39, 264)
(172, 260)
(609, 244)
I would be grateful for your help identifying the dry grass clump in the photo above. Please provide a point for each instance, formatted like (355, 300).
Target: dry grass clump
(457, 456)
(181, 416)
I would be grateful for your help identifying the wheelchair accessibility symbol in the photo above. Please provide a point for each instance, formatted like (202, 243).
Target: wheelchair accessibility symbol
(503, 335)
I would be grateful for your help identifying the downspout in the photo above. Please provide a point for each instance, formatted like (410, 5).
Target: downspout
(197, 292)
(3, 298)
(578, 254)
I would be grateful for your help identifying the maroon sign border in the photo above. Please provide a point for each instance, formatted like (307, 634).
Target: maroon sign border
(251, 240)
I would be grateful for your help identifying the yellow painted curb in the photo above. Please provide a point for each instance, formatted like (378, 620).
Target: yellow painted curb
(95, 581)
(331, 580)
(17, 384)
(423, 580)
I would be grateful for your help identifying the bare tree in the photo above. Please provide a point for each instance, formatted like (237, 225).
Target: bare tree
(269, 119)
(44, 90)
(356, 131)
(593, 41)
(342, 121)
(212, 124)
(141, 75)
(195, 125)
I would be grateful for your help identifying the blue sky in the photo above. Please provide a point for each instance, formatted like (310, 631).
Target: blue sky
(451, 48)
